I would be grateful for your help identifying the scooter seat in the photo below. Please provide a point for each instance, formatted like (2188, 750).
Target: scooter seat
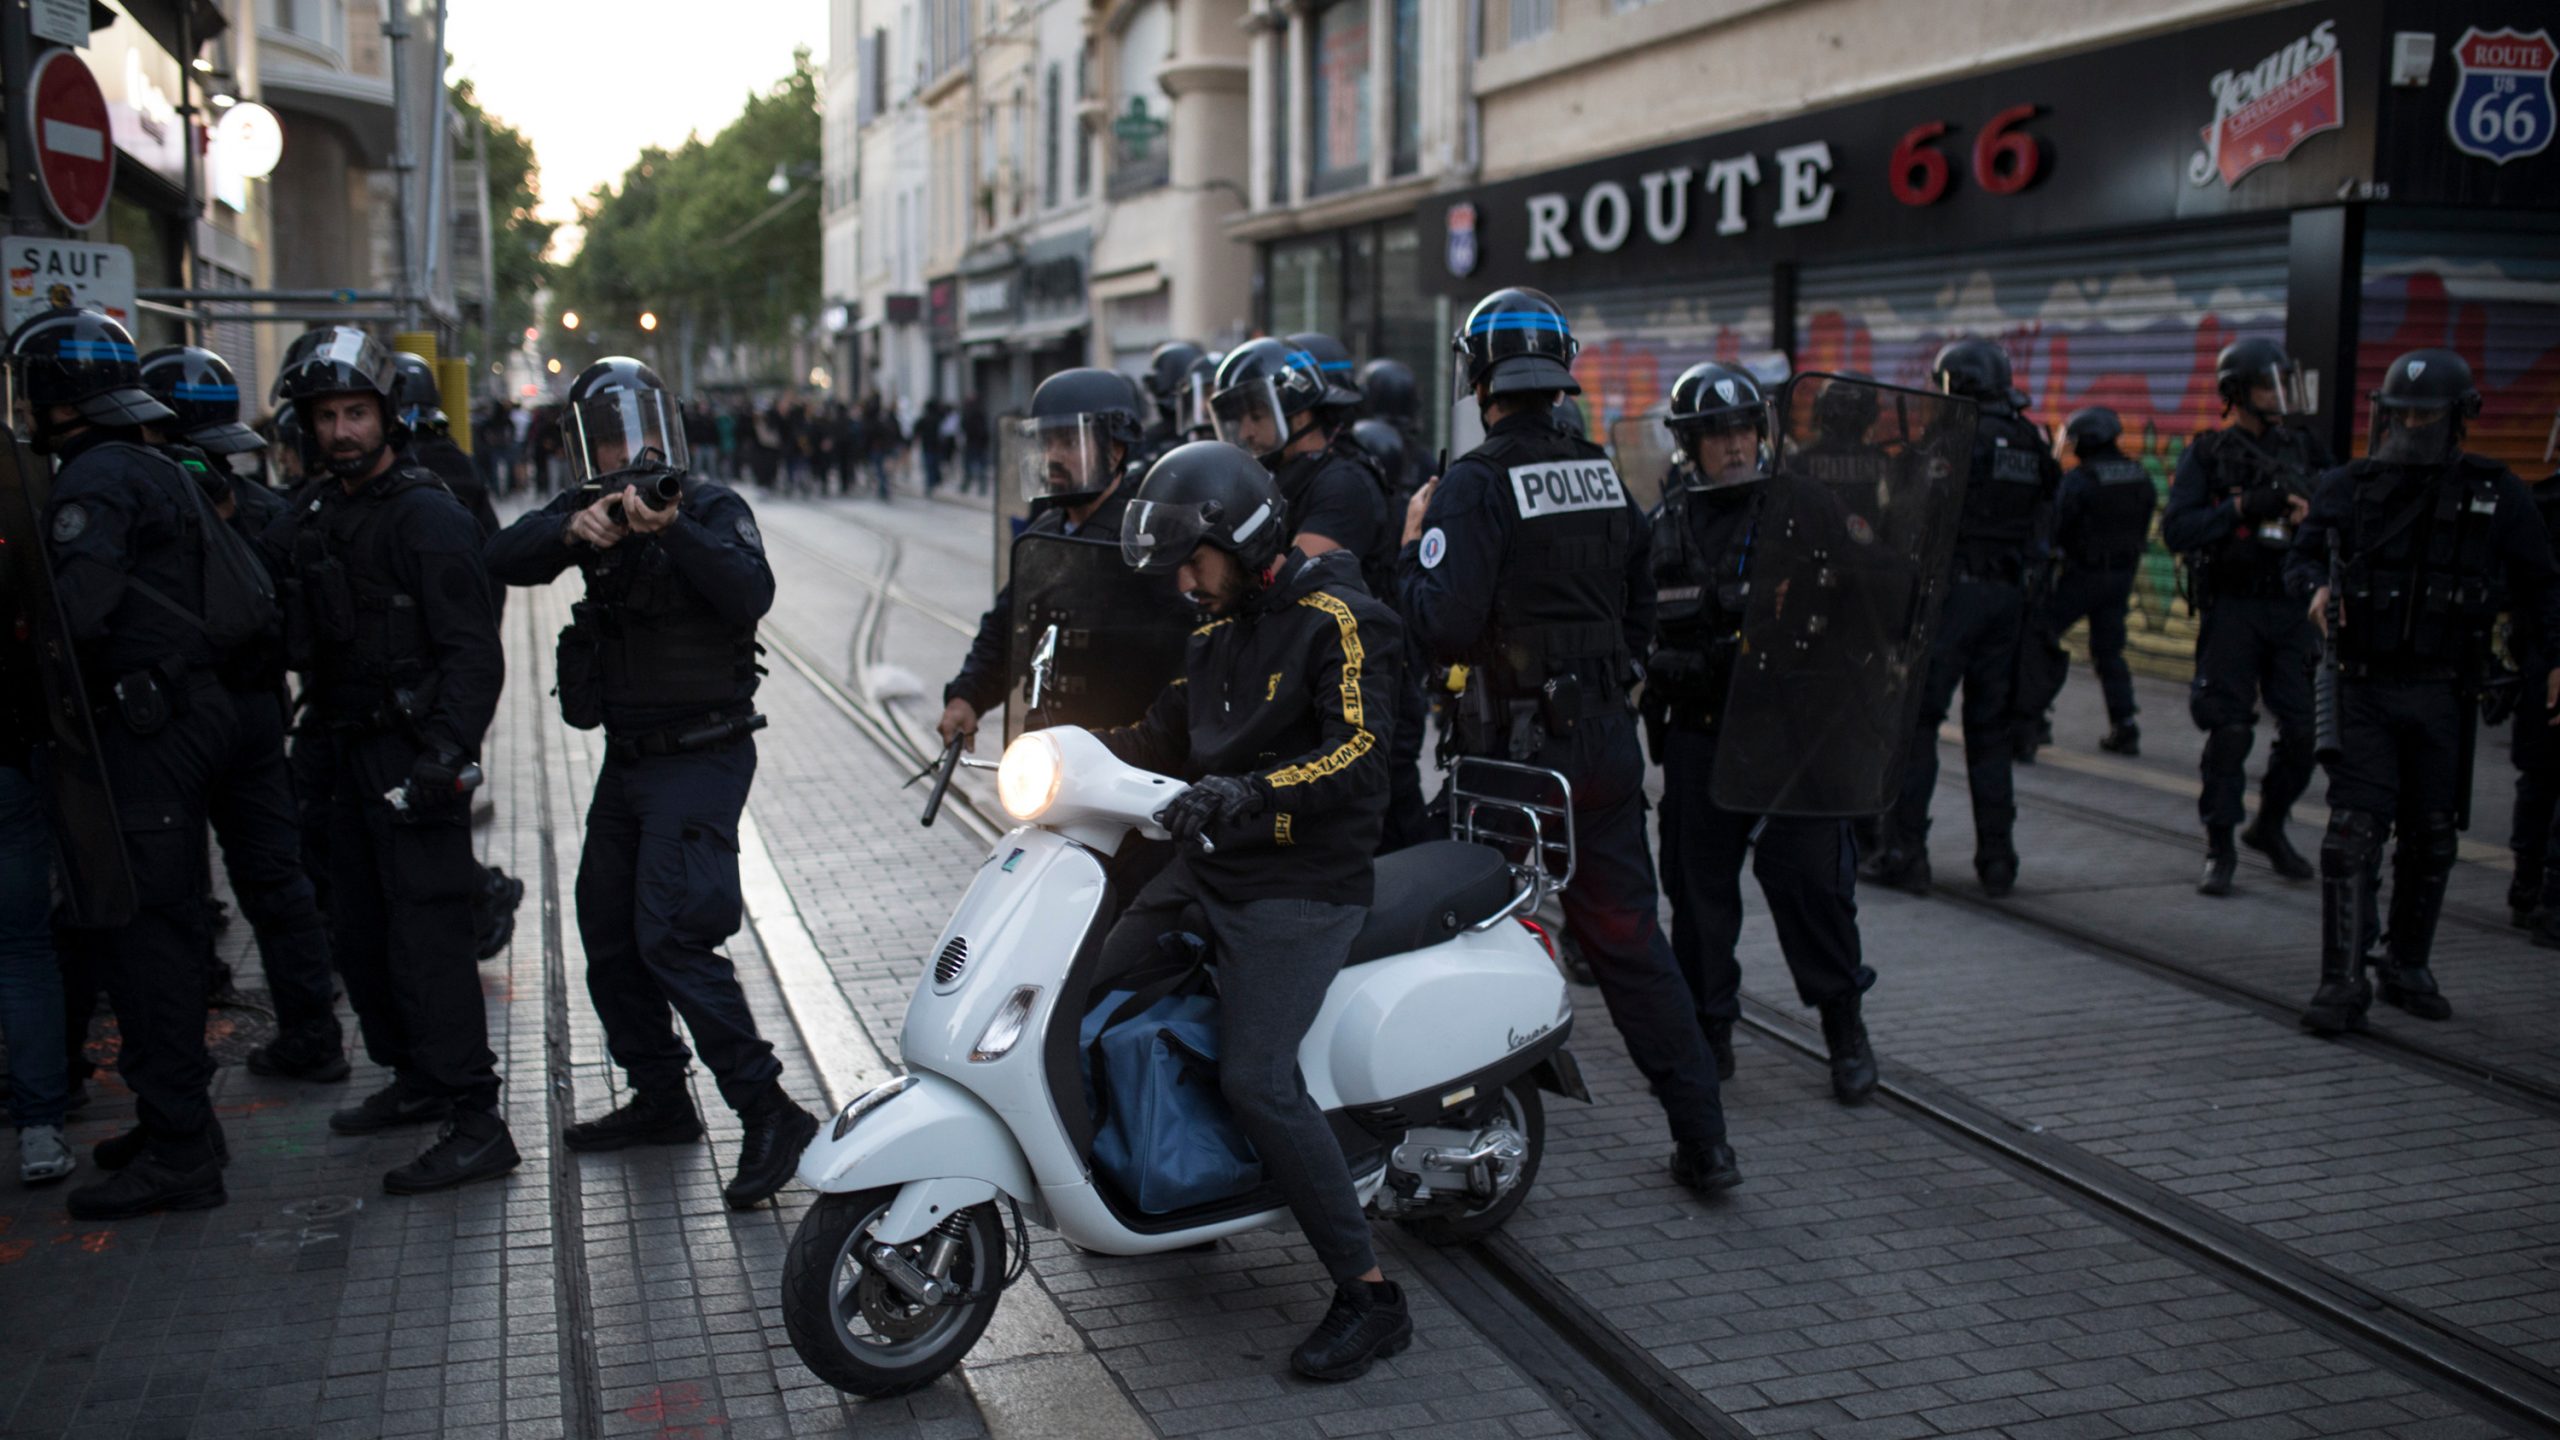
(1429, 892)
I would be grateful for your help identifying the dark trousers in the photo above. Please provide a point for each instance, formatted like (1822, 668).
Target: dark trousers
(400, 916)
(1612, 909)
(1276, 959)
(1807, 869)
(254, 816)
(312, 764)
(2535, 837)
(1977, 647)
(154, 968)
(657, 896)
(2400, 773)
(2099, 595)
(2253, 648)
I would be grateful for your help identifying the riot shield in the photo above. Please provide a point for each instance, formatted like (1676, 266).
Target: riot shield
(96, 878)
(1643, 453)
(1013, 511)
(1850, 558)
(1094, 642)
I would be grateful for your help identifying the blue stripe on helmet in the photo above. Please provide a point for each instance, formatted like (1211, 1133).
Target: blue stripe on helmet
(96, 350)
(186, 391)
(1330, 366)
(1517, 320)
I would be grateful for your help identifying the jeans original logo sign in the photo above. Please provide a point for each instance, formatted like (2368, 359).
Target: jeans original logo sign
(2263, 114)
(1560, 487)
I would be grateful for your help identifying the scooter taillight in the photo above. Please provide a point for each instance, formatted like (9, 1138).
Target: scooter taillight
(1547, 941)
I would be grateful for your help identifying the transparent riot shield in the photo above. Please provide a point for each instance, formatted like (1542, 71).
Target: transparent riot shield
(96, 877)
(1094, 642)
(1850, 558)
(1013, 511)
(1643, 453)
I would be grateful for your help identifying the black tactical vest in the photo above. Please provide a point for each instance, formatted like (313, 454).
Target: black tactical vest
(358, 633)
(1701, 566)
(2115, 526)
(2420, 568)
(2005, 495)
(2235, 462)
(1559, 604)
(660, 646)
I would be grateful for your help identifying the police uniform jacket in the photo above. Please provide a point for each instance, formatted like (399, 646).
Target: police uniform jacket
(986, 673)
(118, 515)
(2103, 519)
(2217, 471)
(1337, 493)
(1292, 692)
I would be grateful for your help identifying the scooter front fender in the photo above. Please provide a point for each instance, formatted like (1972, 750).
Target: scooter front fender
(930, 1129)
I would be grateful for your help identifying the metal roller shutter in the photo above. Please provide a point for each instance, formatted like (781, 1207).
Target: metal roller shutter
(2129, 322)
(1635, 342)
(2492, 296)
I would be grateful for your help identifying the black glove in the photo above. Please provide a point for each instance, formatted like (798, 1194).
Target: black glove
(1214, 799)
(435, 780)
(2263, 503)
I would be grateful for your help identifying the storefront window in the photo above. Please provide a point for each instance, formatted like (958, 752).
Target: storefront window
(1306, 285)
(1338, 92)
(1405, 124)
(154, 243)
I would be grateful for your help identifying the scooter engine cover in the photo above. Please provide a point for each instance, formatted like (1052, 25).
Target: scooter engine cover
(1394, 1027)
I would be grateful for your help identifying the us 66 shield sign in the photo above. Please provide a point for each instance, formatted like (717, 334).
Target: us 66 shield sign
(2502, 106)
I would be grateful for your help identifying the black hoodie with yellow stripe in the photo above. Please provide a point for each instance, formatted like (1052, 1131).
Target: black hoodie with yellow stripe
(1293, 691)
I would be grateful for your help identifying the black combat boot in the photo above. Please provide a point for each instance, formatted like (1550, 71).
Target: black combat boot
(318, 1055)
(1720, 1040)
(2422, 864)
(2524, 893)
(2122, 738)
(2346, 887)
(159, 1178)
(123, 1148)
(1901, 861)
(474, 1145)
(777, 1130)
(649, 1117)
(1368, 1322)
(389, 1108)
(2266, 836)
(1853, 1060)
(2221, 862)
(1706, 1168)
(1995, 854)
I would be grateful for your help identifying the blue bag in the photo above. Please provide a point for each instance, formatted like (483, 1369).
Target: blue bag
(1165, 1136)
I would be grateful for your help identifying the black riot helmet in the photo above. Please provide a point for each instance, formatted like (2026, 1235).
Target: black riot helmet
(1266, 390)
(418, 391)
(1342, 386)
(286, 422)
(1205, 493)
(1713, 400)
(2245, 366)
(2092, 429)
(1843, 414)
(343, 360)
(622, 427)
(1166, 368)
(1388, 388)
(200, 390)
(1517, 340)
(82, 359)
(2421, 411)
(1975, 369)
(1383, 443)
(1066, 445)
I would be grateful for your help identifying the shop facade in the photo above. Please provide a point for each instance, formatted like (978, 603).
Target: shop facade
(2353, 179)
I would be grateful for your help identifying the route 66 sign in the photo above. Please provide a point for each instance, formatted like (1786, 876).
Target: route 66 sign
(1462, 239)
(2502, 106)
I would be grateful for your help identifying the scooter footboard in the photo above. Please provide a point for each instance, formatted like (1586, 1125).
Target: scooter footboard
(918, 1127)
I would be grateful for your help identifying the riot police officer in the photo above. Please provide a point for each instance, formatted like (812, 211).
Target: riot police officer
(2536, 752)
(1702, 570)
(1527, 564)
(252, 801)
(2406, 558)
(388, 617)
(1389, 396)
(1167, 368)
(2002, 540)
(662, 655)
(1081, 436)
(2102, 526)
(125, 532)
(431, 442)
(2238, 494)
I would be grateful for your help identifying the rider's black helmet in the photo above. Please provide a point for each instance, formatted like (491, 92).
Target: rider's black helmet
(1205, 493)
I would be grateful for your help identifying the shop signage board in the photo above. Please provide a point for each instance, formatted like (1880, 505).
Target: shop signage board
(45, 273)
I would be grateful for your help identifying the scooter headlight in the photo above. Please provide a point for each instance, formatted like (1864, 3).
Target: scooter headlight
(1004, 1030)
(1028, 779)
(870, 1100)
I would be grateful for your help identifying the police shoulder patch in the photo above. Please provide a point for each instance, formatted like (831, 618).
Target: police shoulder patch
(1435, 548)
(69, 522)
(748, 532)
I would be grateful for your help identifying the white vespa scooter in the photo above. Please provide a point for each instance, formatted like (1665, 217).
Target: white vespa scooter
(1428, 1056)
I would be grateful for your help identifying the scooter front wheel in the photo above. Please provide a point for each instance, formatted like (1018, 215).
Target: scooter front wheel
(861, 1331)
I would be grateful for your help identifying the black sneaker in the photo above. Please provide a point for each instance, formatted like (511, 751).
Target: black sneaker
(1707, 1169)
(776, 1132)
(149, 1184)
(317, 1056)
(1720, 1041)
(1367, 1323)
(499, 897)
(124, 1147)
(473, 1145)
(389, 1108)
(647, 1118)
(2221, 867)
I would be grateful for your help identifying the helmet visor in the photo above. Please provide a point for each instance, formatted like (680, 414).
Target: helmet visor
(2279, 389)
(1726, 447)
(1156, 536)
(1063, 457)
(625, 430)
(2414, 434)
(1191, 415)
(1249, 416)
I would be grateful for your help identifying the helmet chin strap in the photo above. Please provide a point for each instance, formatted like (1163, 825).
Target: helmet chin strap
(357, 467)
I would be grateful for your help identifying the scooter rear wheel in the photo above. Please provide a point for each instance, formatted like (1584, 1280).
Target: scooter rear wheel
(859, 1332)
(1521, 1106)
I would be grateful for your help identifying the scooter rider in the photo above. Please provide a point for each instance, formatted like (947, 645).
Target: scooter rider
(1526, 563)
(1087, 424)
(662, 655)
(1280, 724)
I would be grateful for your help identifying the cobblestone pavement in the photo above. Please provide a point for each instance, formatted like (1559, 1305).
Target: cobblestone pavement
(1880, 1273)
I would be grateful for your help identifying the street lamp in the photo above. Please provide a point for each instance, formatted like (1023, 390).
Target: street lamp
(568, 319)
(648, 319)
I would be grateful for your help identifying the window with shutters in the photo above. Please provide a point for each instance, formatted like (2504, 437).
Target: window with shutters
(1338, 96)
